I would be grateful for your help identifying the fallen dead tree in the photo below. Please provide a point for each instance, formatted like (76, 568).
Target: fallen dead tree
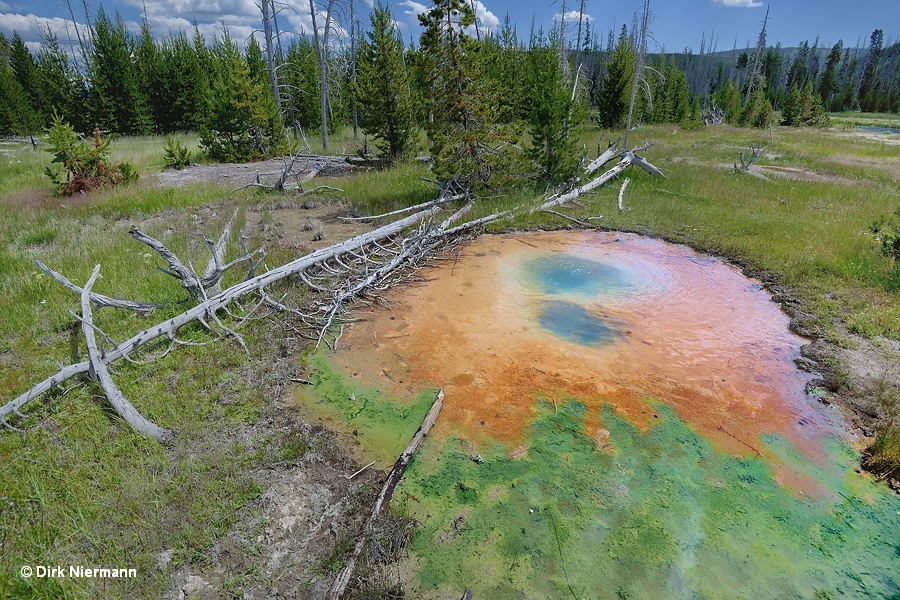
(345, 271)
(101, 372)
(300, 168)
(384, 498)
(627, 158)
(363, 265)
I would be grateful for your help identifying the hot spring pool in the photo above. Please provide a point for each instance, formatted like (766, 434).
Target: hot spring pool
(644, 430)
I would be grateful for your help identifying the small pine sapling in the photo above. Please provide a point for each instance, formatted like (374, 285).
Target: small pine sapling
(86, 165)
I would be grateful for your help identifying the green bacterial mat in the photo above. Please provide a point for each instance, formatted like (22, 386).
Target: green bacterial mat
(659, 513)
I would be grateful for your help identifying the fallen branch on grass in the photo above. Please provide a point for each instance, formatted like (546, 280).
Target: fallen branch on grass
(755, 153)
(359, 265)
(622, 193)
(384, 498)
(363, 265)
(99, 369)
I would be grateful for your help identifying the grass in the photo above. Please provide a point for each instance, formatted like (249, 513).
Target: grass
(82, 488)
(852, 119)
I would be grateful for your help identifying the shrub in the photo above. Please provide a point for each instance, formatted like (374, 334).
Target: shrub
(887, 231)
(86, 165)
(177, 155)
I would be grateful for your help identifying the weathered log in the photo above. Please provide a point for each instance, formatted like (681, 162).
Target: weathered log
(573, 219)
(198, 286)
(611, 150)
(422, 206)
(213, 304)
(216, 262)
(593, 184)
(99, 300)
(98, 367)
(417, 246)
(645, 165)
(622, 193)
(340, 583)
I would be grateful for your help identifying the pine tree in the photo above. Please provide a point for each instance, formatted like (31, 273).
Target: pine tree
(812, 111)
(729, 98)
(151, 78)
(867, 100)
(256, 62)
(772, 63)
(790, 112)
(804, 107)
(468, 144)
(511, 71)
(678, 97)
(301, 73)
(846, 97)
(62, 86)
(758, 111)
(242, 125)
(656, 83)
(17, 116)
(384, 104)
(828, 84)
(26, 73)
(186, 85)
(612, 101)
(798, 73)
(116, 99)
(554, 115)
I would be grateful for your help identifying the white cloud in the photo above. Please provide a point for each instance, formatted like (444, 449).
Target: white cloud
(30, 28)
(486, 19)
(572, 17)
(369, 3)
(413, 9)
(201, 10)
(737, 3)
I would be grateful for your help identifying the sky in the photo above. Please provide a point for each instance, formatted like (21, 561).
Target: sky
(676, 24)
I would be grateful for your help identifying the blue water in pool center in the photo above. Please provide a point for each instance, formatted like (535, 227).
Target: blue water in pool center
(579, 280)
(570, 274)
(575, 323)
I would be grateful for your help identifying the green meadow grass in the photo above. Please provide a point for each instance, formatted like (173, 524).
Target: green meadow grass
(861, 118)
(81, 487)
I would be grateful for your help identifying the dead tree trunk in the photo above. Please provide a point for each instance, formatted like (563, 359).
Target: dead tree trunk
(99, 370)
(639, 71)
(384, 498)
(208, 308)
(268, 13)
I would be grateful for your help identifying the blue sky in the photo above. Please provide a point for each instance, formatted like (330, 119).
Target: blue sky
(677, 24)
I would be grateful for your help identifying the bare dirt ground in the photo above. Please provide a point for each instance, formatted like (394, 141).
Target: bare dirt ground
(236, 175)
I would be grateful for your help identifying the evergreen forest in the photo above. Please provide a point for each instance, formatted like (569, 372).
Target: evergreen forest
(473, 93)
